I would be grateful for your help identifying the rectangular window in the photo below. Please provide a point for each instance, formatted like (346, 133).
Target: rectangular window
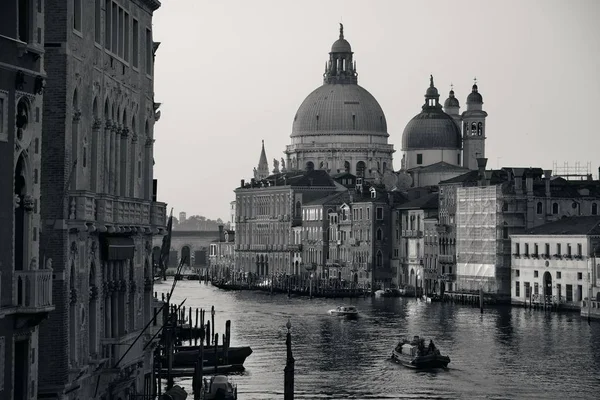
(569, 250)
(379, 212)
(535, 250)
(527, 288)
(558, 274)
(107, 26)
(121, 32)
(558, 291)
(536, 288)
(579, 250)
(97, 29)
(23, 21)
(148, 52)
(368, 212)
(579, 293)
(526, 249)
(517, 273)
(547, 249)
(517, 289)
(77, 15)
(558, 250)
(419, 159)
(126, 39)
(569, 292)
(579, 276)
(535, 274)
(517, 249)
(115, 29)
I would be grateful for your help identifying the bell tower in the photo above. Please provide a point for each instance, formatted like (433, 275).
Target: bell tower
(263, 165)
(473, 121)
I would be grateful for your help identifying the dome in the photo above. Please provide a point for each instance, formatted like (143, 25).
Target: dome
(451, 101)
(339, 108)
(431, 129)
(474, 97)
(341, 46)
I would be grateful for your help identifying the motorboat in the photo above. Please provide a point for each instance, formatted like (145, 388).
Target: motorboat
(415, 354)
(389, 292)
(218, 387)
(345, 311)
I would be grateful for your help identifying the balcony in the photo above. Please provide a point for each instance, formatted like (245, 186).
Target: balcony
(89, 207)
(412, 233)
(447, 258)
(294, 247)
(114, 348)
(441, 228)
(33, 291)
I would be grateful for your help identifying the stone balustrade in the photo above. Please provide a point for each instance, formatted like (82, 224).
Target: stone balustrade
(33, 291)
(91, 207)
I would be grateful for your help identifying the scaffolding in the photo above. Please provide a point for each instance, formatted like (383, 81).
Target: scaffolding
(478, 222)
(577, 172)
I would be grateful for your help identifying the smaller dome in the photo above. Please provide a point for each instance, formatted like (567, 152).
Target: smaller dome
(341, 46)
(431, 92)
(451, 101)
(474, 97)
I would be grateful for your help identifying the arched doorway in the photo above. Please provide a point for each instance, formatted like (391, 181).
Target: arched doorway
(185, 255)
(310, 166)
(412, 280)
(547, 284)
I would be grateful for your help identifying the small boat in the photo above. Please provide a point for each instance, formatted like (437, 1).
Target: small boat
(389, 292)
(414, 354)
(188, 355)
(218, 387)
(344, 311)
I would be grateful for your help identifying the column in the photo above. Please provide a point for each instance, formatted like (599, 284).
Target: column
(75, 180)
(96, 155)
(124, 161)
(117, 163)
(111, 166)
(146, 189)
(106, 159)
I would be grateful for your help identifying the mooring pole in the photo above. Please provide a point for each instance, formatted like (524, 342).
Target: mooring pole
(288, 385)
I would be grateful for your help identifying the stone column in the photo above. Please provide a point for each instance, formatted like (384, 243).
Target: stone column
(132, 165)
(111, 167)
(75, 180)
(96, 155)
(117, 164)
(124, 161)
(147, 166)
(106, 159)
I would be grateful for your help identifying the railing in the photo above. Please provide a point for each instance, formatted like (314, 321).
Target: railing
(88, 206)
(114, 348)
(370, 146)
(294, 247)
(540, 298)
(414, 233)
(447, 258)
(33, 291)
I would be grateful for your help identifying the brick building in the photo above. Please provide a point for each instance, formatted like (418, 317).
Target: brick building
(99, 209)
(25, 279)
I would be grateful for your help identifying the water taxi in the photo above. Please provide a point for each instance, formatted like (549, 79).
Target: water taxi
(344, 311)
(414, 354)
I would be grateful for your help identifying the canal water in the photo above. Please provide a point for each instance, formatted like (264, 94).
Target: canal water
(506, 353)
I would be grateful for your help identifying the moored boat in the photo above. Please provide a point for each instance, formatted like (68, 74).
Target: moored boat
(344, 311)
(188, 355)
(218, 387)
(414, 354)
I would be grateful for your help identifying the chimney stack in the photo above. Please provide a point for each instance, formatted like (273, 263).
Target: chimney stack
(242, 182)
(529, 185)
(518, 181)
(221, 234)
(481, 163)
(547, 176)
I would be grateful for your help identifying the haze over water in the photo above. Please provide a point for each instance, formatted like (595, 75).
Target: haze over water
(506, 353)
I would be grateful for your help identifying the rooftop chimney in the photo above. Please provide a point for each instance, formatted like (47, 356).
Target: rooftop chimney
(221, 234)
(529, 185)
(547, 176)
(481, 163)
(242, 182)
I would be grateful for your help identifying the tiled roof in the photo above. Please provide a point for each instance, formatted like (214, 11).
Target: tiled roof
(441, 166)
(332, 199)
(561, 188)
(427, 202)
(589, 225)
(472, 177)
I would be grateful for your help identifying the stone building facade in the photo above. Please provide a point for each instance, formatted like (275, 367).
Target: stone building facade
(551, 262)
(25, 279)
(221, 256)
(266, 212)
(100, 211)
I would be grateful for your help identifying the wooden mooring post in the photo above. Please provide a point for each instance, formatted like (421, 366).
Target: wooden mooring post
(288, 385)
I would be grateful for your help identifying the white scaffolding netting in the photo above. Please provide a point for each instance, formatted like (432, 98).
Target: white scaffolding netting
(477, 222)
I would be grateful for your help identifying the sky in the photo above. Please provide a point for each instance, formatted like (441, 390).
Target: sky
(232, 73)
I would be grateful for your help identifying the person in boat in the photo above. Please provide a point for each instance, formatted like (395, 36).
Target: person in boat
(431, 347)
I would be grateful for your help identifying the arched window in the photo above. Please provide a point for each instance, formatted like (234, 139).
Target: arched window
(346, 166)
(554, 208)
(479, 129)
(310, 166)
(360, 169)
(594, 208)
(539, 208)
(379, 235)
(106, 110)
(473, 128)
(379, 259)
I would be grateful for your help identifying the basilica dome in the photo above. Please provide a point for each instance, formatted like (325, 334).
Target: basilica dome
(339, 108)
(432, 128)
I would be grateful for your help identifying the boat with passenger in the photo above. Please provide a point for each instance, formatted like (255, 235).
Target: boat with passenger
(218, 387)
(344, 311)
(414, 354)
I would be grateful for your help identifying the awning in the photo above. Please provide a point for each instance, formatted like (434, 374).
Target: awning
(119, 248)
